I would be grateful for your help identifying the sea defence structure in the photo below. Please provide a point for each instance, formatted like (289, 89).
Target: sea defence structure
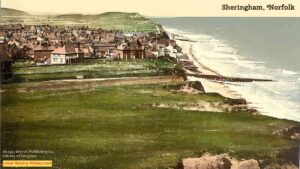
(229, 79)
(190, 69)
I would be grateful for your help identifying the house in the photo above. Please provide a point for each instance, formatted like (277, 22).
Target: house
(67, 54)
(28, 49)
(131, 51)
(2, 39)
(108, 37)
(168, 51)
(16, 50)
(87, 52)
(42, 54)
(28, 42)
(103, 49)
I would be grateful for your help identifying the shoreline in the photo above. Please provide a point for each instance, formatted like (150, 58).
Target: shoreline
(209, 86)
(222, 88)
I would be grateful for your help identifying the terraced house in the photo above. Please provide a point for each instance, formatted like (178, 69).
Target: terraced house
(131, 51)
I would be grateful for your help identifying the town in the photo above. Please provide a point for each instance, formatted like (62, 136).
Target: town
(54, 45)
(115, 90)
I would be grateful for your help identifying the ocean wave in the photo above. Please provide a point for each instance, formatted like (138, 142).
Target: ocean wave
(279, 99)
(288, 72)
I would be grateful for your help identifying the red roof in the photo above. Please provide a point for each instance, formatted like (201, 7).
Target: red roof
(44, 48)
(67, 49)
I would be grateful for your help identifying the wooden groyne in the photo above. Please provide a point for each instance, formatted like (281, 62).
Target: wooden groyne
(229, 79)
(189, 65)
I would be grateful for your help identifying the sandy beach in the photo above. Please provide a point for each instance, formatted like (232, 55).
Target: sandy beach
(209, 86)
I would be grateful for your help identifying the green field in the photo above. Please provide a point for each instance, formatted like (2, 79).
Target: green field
(91, 68)
(114, 127)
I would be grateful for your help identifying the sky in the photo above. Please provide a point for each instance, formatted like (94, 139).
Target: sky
(145, 7)
(148, 7)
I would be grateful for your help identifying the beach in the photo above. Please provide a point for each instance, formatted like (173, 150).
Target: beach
(209, 86)
(215, 49)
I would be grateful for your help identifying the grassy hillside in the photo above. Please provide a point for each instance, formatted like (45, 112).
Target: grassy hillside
(110, 20)
(115, 127)
(11, 12)
(122, 125)
(99, 16)
(113, 20)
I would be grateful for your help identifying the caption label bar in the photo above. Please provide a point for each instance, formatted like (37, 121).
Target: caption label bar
(27, 163)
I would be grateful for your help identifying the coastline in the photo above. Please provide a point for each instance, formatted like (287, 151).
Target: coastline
(229, 60)
(209, 86)
(221, 88)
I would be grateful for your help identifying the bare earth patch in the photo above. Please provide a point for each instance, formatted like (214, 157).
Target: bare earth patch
(224, 161)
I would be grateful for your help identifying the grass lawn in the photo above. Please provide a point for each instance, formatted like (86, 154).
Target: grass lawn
(113, 127)
(92, 68)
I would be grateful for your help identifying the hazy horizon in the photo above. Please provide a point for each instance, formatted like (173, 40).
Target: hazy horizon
(155, 8)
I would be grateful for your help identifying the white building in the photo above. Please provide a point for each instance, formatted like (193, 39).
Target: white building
(66, 55)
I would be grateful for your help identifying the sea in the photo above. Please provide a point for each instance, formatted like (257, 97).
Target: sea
(266, 48)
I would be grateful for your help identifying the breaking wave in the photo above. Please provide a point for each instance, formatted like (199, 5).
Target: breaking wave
(280, 99)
